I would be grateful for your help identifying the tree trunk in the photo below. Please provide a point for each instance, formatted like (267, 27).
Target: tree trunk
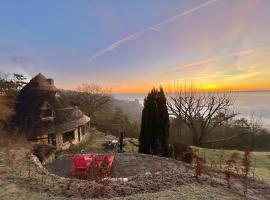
(195, 139)
(201, 137)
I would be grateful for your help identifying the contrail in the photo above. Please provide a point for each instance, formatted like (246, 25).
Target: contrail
(115, 45)
(134, 36)
(152, 28)
(187, 12)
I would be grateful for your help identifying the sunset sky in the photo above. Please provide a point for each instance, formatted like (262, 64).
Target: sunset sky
(130, 46)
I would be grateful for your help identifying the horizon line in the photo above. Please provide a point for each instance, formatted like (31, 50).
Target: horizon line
(259, 90)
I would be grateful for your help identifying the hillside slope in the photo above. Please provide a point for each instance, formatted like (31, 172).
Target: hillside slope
(22, 179)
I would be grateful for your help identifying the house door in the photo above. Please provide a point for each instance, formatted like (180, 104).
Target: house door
(79, 134)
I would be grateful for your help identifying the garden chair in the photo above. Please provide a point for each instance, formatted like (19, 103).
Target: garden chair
(81, 165)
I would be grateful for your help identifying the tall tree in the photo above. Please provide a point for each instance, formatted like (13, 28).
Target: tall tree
(163, 122)
(155, 124)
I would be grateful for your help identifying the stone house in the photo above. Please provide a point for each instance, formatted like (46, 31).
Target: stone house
(45, 117)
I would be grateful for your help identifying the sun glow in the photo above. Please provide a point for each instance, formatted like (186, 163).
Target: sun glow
(210, 87)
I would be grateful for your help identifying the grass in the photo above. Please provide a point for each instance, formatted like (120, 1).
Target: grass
(92, 142)
(260, 161)
(95, 142)
(131, 145)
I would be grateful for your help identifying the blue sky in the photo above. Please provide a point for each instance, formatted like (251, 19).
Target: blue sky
(131, 46)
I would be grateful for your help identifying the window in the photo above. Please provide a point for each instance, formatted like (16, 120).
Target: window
(46, 112)
(68, 136)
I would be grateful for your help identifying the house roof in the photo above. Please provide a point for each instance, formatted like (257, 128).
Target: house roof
(38, 92)
(40, 82)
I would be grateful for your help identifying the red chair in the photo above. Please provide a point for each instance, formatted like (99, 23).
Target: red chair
(110, 160)
(81, 165)
(99, 160)
(102, 165)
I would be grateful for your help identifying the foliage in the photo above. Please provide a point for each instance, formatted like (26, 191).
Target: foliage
(180, 151)
(238, 133)
(155, 124)
(132, 109)
(201, 111)
(106, 112)
(246, 167)
(89, 98)
(231, 168)
(6, 111)
(43, 151)
(10, 85)
(114, 122)
(9, 88)
(199, 164)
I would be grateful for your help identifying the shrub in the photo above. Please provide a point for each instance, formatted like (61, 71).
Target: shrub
(230, 168)
(16, 141)
(43, 151)
(180, 151)
(199, 164)
(246, 162)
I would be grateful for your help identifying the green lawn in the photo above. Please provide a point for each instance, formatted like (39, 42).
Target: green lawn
(95, 142)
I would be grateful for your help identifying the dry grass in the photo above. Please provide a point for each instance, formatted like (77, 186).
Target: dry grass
(13, 141)
(6, 110)
(191, 191)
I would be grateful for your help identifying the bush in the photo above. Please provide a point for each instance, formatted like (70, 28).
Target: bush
(16, 141)
(180, 151)
(43, 151)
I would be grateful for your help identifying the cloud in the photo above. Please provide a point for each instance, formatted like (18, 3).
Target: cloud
(134, 36)
(211, 60)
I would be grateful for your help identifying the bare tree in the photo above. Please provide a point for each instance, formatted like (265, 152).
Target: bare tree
(200, 111)
(90, 98)
(255, 125)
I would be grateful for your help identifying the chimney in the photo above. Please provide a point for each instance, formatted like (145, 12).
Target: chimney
(50, 81)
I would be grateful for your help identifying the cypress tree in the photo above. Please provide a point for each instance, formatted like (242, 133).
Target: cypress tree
(147, 123)
(163, 123)
(155, 124)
